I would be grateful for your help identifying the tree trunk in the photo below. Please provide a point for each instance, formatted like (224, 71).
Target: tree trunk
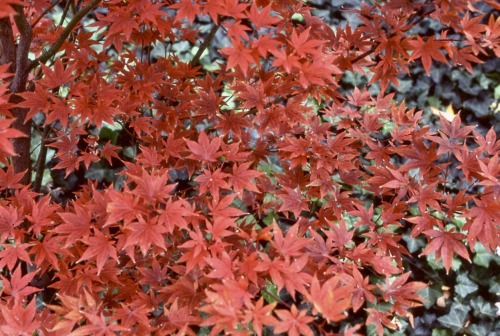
(17, 56)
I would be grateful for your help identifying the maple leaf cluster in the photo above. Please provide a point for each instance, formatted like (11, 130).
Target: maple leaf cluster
(257, 195)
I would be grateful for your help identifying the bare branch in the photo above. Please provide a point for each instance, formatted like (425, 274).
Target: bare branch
(45, 13)
(204, 45)
(65, 33)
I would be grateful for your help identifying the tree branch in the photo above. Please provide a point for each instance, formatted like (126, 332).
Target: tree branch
(64, 35)
(40, 164)
(45, 13)
(7, 45)
(22, 51)
(204, 45)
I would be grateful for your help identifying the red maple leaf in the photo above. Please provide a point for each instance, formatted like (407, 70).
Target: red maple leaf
(289, 245)
(294, 322)
(444, 244)
(21, 318)
(76, 225)
(263, 18)
(223, 208)
(145, 233)
(186, 9)
(10, 180)
(175, 214)
(360, 287)
(403, 292)
(212, 181)
(12, 254)
(332, 299)
(48, 250)
(380, 319)
(293, 201)
(427, 51)
(56, 76)
(17, 286)
(222, 266)
(303, 45)
(7, 133)
(483, 225)
(9, 220)
(241, 178)
(100, 247)
(204, 149)
(239, 55)
(260, 316)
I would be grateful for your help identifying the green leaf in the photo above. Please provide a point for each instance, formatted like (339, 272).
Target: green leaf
(494, 285)
(456, 318)
(270, 292)
(431, 260)
(465, 285)
(483, 258)
(441, 332)
(413, 244)
(107, 133)
(430, 295)
(481, 329)
(483, 308)
(99, 174)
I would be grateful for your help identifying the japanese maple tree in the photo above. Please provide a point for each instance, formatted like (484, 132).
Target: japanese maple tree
(219, 178)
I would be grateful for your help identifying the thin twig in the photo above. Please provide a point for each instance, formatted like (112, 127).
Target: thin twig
(64, 35)
(42, 156)
(44, 13)
(65, 12)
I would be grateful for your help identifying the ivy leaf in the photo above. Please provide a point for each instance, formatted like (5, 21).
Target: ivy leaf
(482, 257)
(465, 285)
(483, 308)
(455, 319)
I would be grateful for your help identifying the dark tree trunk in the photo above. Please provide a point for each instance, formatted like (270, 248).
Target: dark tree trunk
(17, 55)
